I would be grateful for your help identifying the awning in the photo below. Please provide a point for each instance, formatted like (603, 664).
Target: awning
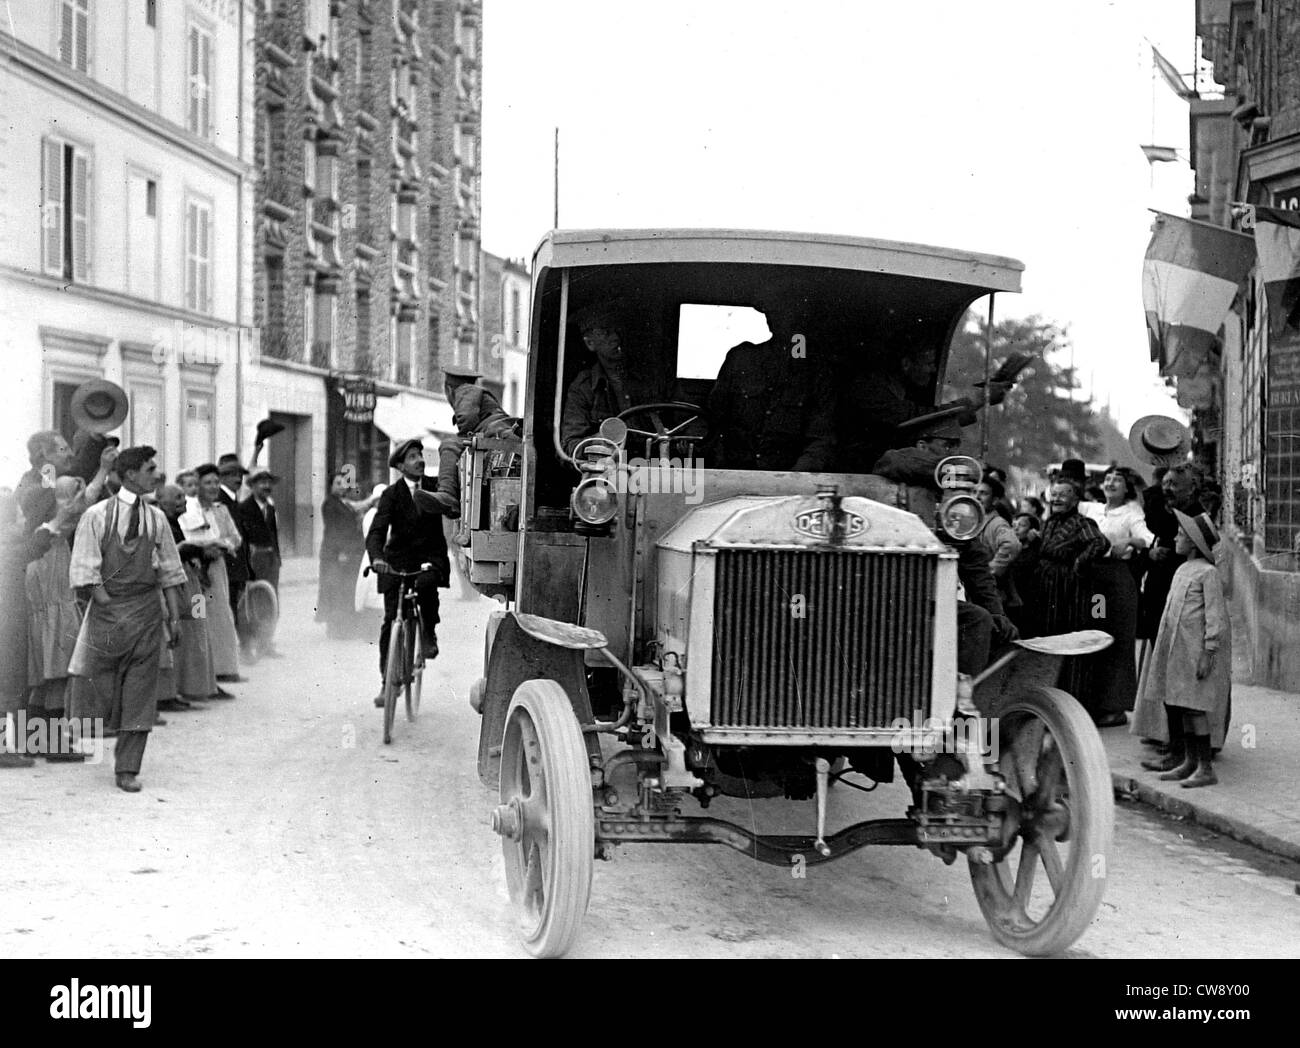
(406, 415)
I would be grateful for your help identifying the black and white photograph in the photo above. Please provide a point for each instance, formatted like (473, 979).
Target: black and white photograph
(611, 480)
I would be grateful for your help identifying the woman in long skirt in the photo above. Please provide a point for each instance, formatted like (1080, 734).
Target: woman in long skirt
(1123, 522)
(341, 549)
(1071, 543)
(53, 617)
(209, 525)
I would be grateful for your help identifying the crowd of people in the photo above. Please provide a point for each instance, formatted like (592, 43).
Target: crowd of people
(1136, 561)
(123, 595)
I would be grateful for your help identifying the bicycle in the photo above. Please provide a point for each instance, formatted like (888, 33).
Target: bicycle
(404, 666)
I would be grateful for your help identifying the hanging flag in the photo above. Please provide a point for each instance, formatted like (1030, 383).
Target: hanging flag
(1277, 239)
(1171, 75)
(1159, 154)
(1189, 280)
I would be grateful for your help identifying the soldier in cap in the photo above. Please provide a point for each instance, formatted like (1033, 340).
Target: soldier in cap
(873, 404)
(474, 410)
(919, 446)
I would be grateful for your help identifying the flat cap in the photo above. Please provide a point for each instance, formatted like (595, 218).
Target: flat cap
(403, 449)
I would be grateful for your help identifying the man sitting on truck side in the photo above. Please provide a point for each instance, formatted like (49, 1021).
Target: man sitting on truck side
(474, 410)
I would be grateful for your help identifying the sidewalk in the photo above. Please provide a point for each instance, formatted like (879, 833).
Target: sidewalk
(1257, 798)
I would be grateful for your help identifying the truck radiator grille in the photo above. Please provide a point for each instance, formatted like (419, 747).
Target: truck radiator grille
(855, 652)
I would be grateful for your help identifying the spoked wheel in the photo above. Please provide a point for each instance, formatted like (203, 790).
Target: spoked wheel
(1046, 882)
(415, 660)
(545, 817)
(393, 677)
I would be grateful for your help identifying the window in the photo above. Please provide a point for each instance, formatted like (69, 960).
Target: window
(198, 256)
(516, 317)
(199, 80)
(151, 13)
(323, 327)
(65, 218)
(142, 235)
(308, 319)
(74, 32)
(362, 362)
(404, 351)
(706, 333)
(363, 201)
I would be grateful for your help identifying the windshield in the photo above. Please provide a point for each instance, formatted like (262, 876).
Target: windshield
(792, 367)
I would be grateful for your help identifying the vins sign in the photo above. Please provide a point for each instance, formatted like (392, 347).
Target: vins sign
(358, 399)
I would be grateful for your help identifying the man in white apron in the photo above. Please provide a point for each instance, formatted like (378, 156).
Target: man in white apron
(123, 552)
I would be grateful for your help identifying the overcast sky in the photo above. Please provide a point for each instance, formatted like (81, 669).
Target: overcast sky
(1010, 127)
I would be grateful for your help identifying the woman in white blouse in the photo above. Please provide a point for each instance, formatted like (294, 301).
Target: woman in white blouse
(208, 523)
(1115, 598)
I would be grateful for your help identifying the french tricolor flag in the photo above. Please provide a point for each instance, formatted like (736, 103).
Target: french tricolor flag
(1277, 239)
(1189, 279)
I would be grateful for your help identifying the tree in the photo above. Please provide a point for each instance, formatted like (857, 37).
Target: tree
(1039, 423)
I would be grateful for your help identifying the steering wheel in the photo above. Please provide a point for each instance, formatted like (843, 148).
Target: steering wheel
(662, 432)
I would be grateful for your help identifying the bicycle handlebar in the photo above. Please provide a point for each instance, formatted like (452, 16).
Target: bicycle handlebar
(399, 574)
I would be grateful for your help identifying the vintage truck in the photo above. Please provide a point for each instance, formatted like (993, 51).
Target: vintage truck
(675, 633)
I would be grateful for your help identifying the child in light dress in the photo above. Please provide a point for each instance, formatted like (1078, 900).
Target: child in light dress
(1189, 670)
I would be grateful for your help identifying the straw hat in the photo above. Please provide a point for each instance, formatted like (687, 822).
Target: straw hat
(1160, 440)
(1201, 530)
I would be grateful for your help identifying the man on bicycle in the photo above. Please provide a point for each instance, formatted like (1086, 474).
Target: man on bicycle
(405, 534)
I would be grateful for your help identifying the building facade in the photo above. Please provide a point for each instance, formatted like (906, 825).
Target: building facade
(366, 255)
(126, 125)
(503, 352)
(1246, 150)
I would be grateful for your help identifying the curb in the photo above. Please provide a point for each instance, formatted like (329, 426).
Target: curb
(1219, 823)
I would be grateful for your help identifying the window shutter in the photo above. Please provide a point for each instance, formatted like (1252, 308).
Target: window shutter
(192, 79)
(82, 19)
(205, 261)
(80, 217)
(191, 275)
(65, 32)
(52, 202)
(205, 76)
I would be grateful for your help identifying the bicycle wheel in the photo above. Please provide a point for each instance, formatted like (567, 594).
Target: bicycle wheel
(393, 676)
(415, 660)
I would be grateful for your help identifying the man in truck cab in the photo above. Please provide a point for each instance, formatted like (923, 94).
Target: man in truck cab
(619, 379)
(772, 406)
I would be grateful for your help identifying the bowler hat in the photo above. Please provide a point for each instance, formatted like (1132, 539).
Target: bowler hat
(1074, 469)
(261, 473)
(98, 405)
(1201, 530)
(268, 428)
(1160, 440)
(229, 463)
(402, 450)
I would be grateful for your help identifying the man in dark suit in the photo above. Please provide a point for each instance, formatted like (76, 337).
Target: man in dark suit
(261, 532)
(260, 528)
(406, 533)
